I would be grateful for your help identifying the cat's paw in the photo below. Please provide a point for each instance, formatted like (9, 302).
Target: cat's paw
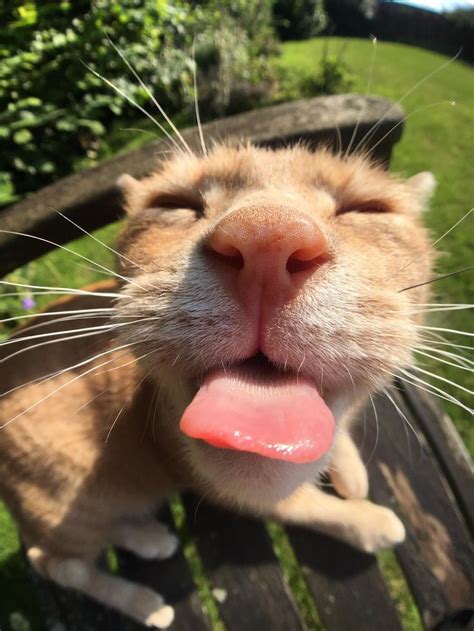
(160, 619)
(347, 471)
(149, 539)
(377, 528)
(157, 542)
(149, 608)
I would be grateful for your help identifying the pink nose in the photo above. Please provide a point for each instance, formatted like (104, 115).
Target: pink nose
(269, 249)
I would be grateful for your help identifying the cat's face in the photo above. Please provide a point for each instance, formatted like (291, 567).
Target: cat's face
(295, 257)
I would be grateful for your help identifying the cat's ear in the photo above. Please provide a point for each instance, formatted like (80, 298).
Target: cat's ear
(130, 189)
(423, 185)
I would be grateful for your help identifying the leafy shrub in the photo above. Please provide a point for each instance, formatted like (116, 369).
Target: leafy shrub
(299, 19)
(461, 22)
(234, 58)
(331, 76)
(54, 111)
(351, 17)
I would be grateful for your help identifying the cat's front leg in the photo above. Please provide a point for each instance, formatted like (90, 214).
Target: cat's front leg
(346, 470)
(140, 603)
(147, 538)
(358, 522)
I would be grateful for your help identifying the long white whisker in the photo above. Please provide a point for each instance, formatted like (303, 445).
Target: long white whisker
(443, 361)
(16, 340)
(407, 94)
(50, 313)
(102, 327)
(54, 341)
(441, 237)
(135, 104)
(56, 390)
(81, 256)
(435, 376)
(442, 308)
(367, 90)
(439, 340)
(39, 325)
(89, 401)
(402, 416)
(404, 119)
(151, 95)
(376, 416)
(62, 290)
(127, 401)
(437, 328)
(196, 104)
(452, 227)
(461, 359)
(429, 387)
(436, 278)
(122, 256)
(442, 304)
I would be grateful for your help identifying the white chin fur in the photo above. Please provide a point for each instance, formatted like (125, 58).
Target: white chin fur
(250, 479)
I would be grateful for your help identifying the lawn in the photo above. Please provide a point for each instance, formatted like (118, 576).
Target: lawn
(438, 137)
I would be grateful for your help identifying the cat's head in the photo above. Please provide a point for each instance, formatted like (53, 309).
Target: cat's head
(271, 282)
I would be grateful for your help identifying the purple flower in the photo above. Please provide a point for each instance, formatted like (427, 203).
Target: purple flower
(28, 302)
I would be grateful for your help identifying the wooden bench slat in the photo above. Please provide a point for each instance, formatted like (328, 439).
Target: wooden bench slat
(446, 443)
(437, 556)
(348, 588)
(239, 558)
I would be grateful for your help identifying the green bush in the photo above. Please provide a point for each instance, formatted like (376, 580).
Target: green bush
(55, 111)
(299, 19)
(330, 75)
(234, 57)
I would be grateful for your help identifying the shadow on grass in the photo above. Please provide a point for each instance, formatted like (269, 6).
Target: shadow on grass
(18, 607)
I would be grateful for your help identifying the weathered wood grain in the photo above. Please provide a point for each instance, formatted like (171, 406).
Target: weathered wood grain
(447, 445)
(239, 560)
(437, 556)
(348, 588)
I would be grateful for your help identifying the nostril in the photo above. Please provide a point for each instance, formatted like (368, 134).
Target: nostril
(233, 259)
(296, 264)
(222, 246)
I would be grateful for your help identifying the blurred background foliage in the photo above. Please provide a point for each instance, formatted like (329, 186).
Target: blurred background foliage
(55, 113)
(55, 110)
(57, 116)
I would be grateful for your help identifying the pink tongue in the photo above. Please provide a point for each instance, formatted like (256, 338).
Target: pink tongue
(277, 416)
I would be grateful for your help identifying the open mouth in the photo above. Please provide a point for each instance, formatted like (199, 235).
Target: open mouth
(256, 407)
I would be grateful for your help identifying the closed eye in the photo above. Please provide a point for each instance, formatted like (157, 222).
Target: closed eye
(166, 201)
(371, 206)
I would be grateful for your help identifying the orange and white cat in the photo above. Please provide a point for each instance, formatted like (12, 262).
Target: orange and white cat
(259, 304)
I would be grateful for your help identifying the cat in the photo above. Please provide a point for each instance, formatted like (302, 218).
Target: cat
(259, 303)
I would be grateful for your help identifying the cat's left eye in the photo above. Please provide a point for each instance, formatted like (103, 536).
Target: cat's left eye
(371, 206)
(177, 202)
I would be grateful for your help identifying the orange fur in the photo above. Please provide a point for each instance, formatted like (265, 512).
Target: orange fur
(71, 481)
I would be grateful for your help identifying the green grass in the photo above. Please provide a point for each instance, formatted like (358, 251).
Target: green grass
(16, 598)
(438, 138)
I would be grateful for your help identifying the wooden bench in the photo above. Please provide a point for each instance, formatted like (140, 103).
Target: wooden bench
(422, 472)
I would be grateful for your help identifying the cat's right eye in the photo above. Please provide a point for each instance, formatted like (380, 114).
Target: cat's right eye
(167, 201)
(371, 206)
